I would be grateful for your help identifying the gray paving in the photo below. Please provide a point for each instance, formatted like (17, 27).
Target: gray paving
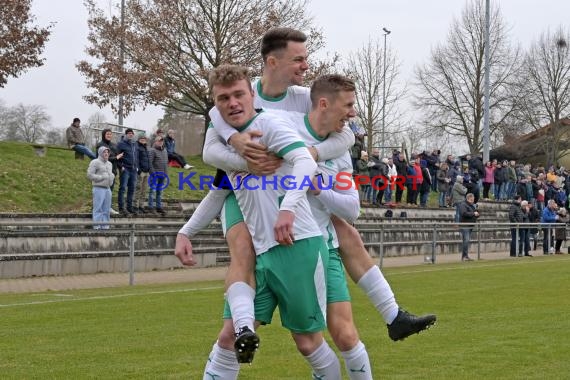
(104, 280)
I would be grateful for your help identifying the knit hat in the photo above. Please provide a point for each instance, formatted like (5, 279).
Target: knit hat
(141, 135)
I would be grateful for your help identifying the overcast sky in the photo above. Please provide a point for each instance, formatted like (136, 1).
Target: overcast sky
(416, 26)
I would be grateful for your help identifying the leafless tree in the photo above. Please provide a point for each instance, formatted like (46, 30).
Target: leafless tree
(366, 67)
(543, 90)
(55, 136)
(21, 43)
(171, 45)
(25, 123)
(450, 87)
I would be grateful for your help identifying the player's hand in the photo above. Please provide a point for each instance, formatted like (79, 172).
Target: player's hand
(314, 153)
(265, 166)
(244, 142)
(317, 184)
(284, 228)
(183, 250)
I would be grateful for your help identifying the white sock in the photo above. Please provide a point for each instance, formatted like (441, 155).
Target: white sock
(357, 363)
(324, 363)
(222, 364)
(378, 290)
(240, 298)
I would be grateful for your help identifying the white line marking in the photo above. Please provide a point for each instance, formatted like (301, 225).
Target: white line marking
(110, 296)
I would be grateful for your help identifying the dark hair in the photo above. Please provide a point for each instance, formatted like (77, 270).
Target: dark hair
(225, 75)
(75, 120)
(277, 39)
(129, 130)
(329, 86)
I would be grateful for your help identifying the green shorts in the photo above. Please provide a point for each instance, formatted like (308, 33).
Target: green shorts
(231, 213)
(337, 290)
(293, 278)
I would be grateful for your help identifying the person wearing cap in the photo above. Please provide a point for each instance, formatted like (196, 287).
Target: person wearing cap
(129, 169)
(100, 173)
(76, 139)
(142, 174)
(560, 230)
(170, 145)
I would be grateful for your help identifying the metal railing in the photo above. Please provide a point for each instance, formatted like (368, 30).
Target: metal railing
(434, 230)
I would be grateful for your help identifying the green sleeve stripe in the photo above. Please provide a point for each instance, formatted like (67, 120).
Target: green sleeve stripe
(290, 147)
(210, 125)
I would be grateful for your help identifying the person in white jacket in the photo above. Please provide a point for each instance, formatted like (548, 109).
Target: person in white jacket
(100, 173)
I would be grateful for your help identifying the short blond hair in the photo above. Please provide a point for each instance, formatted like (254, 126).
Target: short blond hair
(226, 75)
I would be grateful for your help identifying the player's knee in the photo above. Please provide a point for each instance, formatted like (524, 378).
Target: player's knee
(344, 336)
(241, 246)
(307, 343)
(226, 338)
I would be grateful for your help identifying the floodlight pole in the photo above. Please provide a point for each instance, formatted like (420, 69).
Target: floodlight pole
(487, 84)
(122, 59)
(383, 134)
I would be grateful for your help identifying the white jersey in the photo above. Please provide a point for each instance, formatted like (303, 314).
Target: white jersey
(328, 170)
(296, 98)
(260, 198)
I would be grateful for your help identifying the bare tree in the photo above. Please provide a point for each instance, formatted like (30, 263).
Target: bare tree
(450, 87)
(366, 67)
(543, 91)
(55, 136)
(26, 123)
(171, 45)
(21, 43)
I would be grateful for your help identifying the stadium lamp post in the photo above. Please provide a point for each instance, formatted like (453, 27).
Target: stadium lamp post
(386, 32)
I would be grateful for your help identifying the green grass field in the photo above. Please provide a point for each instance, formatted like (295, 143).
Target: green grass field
(58, 182)
(496, 320)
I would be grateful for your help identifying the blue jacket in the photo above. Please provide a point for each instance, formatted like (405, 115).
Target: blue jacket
(548, 216)
(130, 156)
(170, 145)
(144, 163)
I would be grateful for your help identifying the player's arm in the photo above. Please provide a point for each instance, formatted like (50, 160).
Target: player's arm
(303, 167)
(219, 155)
(335, 146)
(204, 214)
(342, 201)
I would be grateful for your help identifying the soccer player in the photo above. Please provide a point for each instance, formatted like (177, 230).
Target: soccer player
(284, 55)
(295, 241)
(333, 99)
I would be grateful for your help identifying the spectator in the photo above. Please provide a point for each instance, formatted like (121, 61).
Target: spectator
(515, 217)
(378, 170)
(433, 165)
(401, 166)
(142, 174)
(392, 173)
(549, 216)
(76, 139)
(533, 217)
(501, 178)
(107, 141)
(425, 186)
(489, 179)
(170, 144)
(129, 168)
(560, 230)
(511, 180)
(476, 163)
(443, 186)
(100, 173)
(467, 214)
(158, 160)
(524, 237)
(363, 170)
(458, 195)
(414, 180)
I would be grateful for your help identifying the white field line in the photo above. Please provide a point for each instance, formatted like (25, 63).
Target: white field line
(92, 298)
(465, 266)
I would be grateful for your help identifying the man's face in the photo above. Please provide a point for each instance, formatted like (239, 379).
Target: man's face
(375, 152)
(470, 200)
(130, 135)
(235, 102)
(340, 110)
(158, 143)
(106, 154)
(291, 63)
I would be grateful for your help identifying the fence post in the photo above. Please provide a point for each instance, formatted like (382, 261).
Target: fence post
(433, 243)
(381, 245)
(132, 255)
(478, 241)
